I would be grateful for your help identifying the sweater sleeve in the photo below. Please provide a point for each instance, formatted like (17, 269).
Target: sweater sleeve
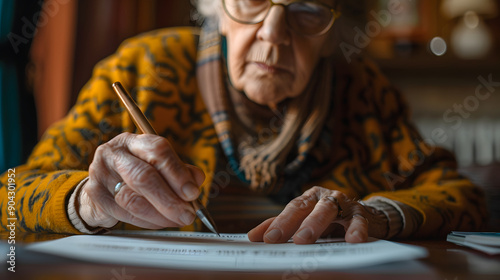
(446, 200)
(157, 68)
(422, 175)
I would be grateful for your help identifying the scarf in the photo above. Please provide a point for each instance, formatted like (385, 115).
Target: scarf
(277, 166)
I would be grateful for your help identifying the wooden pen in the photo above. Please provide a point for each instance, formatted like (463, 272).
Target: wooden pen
(145, 126)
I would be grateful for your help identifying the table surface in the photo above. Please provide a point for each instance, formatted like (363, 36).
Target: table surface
(446, 261)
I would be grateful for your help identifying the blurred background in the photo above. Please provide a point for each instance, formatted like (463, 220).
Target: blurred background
(443, 55)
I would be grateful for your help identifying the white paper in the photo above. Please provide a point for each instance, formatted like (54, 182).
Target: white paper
(206, 251)
(487, 242)
(483, 238)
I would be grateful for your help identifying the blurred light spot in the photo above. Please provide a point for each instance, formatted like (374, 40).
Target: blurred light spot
(438, 46)
(471, 19)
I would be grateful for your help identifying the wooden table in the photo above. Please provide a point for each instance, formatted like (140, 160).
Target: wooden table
(446, 261)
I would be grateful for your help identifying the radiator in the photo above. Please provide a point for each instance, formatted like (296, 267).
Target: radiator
(474, 142)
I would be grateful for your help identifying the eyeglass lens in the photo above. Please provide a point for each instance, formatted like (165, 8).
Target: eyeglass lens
(304, 17)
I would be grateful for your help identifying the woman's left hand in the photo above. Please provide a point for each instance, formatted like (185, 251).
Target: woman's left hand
(316, 213)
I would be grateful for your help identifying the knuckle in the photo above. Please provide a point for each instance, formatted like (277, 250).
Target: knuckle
(120, 139)
(302, 202)
(317, 192)
(100, 153)
(141, 176)
(106, 154)
(92, 192)
(101, 149)
(341, 196)
(97, 166)
(329, 201)
(122, 165)
(314, 190)
(337, 194)
(162, 154)
(159, 145)
(125, 134)
(134, 203)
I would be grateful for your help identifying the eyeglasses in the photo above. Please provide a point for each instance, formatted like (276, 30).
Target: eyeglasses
(309, 18)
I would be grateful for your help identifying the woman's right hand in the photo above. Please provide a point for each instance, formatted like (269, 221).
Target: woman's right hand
(158, 185)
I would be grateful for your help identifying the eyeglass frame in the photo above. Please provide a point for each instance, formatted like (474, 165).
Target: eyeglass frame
(335, 15)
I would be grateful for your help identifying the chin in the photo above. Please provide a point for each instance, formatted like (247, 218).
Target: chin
(269, 93)
(265, 97)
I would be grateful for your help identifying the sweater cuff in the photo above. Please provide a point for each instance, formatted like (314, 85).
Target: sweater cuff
(394, 217)
(57, 209)
(74, 215)
(408, 218)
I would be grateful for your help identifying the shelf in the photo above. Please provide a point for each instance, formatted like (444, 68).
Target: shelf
(447, 63)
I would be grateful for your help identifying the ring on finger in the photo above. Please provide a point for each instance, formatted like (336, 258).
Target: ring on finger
(118, 187)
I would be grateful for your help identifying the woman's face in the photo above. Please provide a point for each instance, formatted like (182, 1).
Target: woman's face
(269, 61)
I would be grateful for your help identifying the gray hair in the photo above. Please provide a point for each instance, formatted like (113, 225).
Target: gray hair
(208, 8)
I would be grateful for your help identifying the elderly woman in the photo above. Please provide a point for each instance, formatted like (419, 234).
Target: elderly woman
(261, 120)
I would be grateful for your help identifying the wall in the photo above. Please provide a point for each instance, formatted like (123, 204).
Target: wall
(78, 34)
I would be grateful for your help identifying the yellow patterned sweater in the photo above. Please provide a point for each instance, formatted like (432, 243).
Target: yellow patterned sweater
(378, 151)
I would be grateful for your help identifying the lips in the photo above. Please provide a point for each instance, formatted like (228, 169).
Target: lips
(273, 69)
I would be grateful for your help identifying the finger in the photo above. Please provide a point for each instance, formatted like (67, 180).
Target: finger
(357, 230)
(197, 173)
(158, 152)
(325, 211)
(289, 220)
(101, 170)
(103, 211)
(257, 233)
(123, 215)
(140, 208)
(147, 182)
(92, 197)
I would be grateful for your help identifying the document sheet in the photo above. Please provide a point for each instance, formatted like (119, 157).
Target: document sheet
(487, 242)
(233, 252)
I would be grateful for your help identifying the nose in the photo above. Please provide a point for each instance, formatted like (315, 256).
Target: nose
(274, 28)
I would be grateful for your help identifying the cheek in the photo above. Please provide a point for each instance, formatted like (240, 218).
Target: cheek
(236, 68)
(239, 42)
(307, 55)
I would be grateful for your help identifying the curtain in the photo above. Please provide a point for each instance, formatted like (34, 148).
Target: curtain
(10, 132)
(17, 112)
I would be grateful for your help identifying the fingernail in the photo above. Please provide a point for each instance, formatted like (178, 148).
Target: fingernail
(191, 191)
(305, 234)
(357, 235)
(187, 218)
(274, 235)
